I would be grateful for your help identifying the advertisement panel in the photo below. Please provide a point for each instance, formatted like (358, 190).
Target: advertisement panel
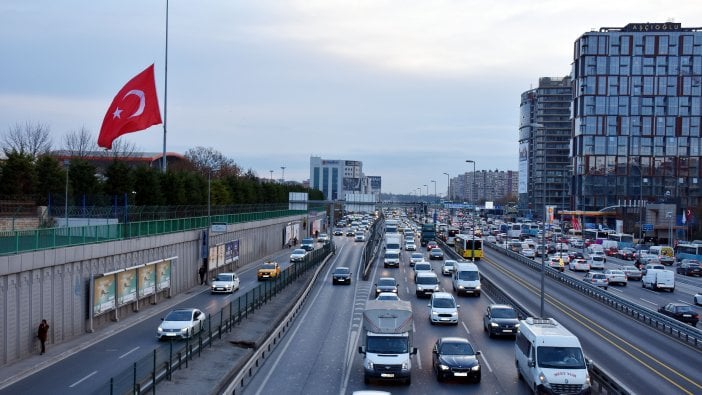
(147, 280)
(163, 275)
(231, 251)
(126, 287)
(212, 257)
(220, 255)
(103, 294)
(550, 214)
(523, 167)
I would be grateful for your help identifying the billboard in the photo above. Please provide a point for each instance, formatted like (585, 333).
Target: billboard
(126, 287)
(523, 167)
(147, 280)
(163, 275)
(103, 294)
(352, 184)
(231, 251)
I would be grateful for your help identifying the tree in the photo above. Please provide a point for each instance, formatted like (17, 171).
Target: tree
(209, 160)
(18, 175)
(120, 149)
(51, 178)
(79, 143)
(119, 179)
(31, 139)
(81, 175)
(147, 186)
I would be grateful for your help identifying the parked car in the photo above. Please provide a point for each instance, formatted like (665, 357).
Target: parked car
(579, 264)
(298, 255)
(689, 267)
(454, 357)
(386, 284)
(501, 319)
(682, 312)
(181, 324)
(225, 282)
(416, 257)
(596, 279)
(443, 309)
(448, 267)
(615, 276)
(436, 253)
(268, 271)
(341, 275)
(632, 272)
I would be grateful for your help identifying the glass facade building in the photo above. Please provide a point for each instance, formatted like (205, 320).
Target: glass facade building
(637, 110)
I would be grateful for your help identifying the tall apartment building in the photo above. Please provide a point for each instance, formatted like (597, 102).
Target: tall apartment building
(637, 114)
(335, 178)
(544, 137)
(484, 185)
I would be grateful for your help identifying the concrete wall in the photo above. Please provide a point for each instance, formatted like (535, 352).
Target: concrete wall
(54, 284)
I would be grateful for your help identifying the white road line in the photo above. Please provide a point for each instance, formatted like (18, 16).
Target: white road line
(81, 380)
(128, 352)
(419, 361)
(465, 327)
(482, 354)
(648, 301)
(616, 290)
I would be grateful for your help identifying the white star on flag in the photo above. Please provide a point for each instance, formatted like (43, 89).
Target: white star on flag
(117, 113)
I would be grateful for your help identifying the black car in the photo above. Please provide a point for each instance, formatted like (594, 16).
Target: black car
(341, 275)
(338, 232)
(689, 268)
(575, 255)
(627, 254)
(386, 284)
(501, 319)
(682, 312)
(454, 357)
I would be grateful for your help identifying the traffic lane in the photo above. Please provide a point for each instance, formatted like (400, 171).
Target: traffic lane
(91, 368)
(610, 338)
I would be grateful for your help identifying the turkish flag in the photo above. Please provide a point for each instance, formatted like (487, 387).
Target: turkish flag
(134, 108)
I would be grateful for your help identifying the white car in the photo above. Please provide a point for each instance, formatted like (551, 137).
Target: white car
(528, 253)
(579, 264)
(426, 283)
(298, 255)
(615, 276)
(181, 324)
(387, 296)
(448, 267)
(698, 298)
(416, 258)
(410, 246)
(443, 309)
(225, 282)
(422, 267)
(323, 237)
(596, 262)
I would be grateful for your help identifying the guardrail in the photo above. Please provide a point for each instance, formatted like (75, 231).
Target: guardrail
(602, 382)
(145, 374)
(654, 319)
(370, 250)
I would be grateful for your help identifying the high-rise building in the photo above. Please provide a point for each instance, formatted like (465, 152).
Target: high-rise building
(484, 185)
(544, 136)
(336, 178)
(637, 115)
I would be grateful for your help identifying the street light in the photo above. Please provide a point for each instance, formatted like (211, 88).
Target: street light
(271, 175)
(434, 181)
(282, 178)
(65, 164)
(427, 191)
(472, 222)
(448, 187)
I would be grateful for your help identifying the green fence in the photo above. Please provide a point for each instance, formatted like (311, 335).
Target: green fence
(14, 242)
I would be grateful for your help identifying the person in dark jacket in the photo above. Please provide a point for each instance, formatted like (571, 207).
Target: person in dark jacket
(42, 334)
(203, 272)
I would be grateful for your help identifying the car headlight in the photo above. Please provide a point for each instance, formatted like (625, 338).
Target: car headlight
(184, 330)
(494, 324)
(478, 286)
(369, 365)
(443, 367)
(542, 378)
(516, 325)
(405, 365)
(475, 368)
(460, 287)
(159, 330)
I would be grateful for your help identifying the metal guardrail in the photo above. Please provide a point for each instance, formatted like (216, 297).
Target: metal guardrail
(654, 319)
(370, 250)
(159, 364)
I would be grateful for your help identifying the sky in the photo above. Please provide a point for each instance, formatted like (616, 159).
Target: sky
(412, 88)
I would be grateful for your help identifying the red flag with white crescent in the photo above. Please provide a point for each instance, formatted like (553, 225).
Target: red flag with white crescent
(134, 108)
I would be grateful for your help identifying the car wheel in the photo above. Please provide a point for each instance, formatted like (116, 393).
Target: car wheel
(366, 380)
(477, 379)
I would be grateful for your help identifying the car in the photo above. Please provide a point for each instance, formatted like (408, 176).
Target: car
(632, 272)
(386, 284)
(323, 237)
(360, 236)
(501, 320)
(431, 245)
(307, 244)
(697, 298)
(338, 232)
(415, 258)
(644, 258)
(448, 267)
(682, 312)
(341, 275)
(651, 266)
(455, 358)
(269, 271)
(387, 296)
(298, 255)
(579, 264)
(577, 243)
(575, 255)
(599, 254)
(411, 246)
(556, 262)
(351, 232)
(436, 253)
(627, 254)
(615, 276)
(689, 267)
(596, 279)
(596, 262)
(420, 267)
(528, 253)
(225, 282)
(611, 251)
(181, 324)
(425, 284)
(443, 309)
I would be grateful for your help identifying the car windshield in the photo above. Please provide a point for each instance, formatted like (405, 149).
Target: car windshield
(468, 275)
(420, 267)
(417, 255)
(307, 241)
(386, 345)
(224, 277)
(271, 265)
(456, 349)
(448, 264)
(684, 309)
(386, 282)
(560, 357)
(504, 313)
(179, 315)
(392, 255)
(298, 251)
(427, 280)
(341, 270)
(444, 303)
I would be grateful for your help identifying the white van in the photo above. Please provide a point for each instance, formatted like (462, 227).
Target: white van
(658, 279)
(466, 279)
(549, 357)
(665, 254)
(594, 248)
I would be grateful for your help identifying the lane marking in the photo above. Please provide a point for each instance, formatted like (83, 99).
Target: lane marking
(465, 327)
(482, 354)
(649, 302)
(81, 380)
(128, 352)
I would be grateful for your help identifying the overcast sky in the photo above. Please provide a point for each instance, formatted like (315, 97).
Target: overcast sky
(412, 88)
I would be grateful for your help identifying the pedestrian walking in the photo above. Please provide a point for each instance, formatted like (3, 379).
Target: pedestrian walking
(203, 272)
(42, 334)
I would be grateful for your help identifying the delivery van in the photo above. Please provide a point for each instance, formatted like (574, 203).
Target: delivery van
(466, 279)
(549, 357)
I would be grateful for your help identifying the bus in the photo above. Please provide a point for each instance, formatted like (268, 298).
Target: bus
(595, 234)
(468, 247)
(689, 251)
(623, 240)
(514, 231)
(451, 235)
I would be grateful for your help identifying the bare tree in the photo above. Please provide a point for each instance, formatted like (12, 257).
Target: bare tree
(209, 160)
(121, 149)
(80, 143)
(31, 139)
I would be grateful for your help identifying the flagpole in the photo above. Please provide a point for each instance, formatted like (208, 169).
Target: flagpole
(165, 98)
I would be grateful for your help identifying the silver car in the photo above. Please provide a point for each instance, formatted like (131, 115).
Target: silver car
(181, 324)
(448, 267)
(225, 282)
(615, 276)
(416, 258)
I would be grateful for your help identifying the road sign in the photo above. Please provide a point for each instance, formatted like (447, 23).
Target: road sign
(647, 227)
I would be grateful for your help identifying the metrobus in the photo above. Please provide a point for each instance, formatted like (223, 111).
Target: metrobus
(451, 235)
(623, 240)
(689, 251)
(595, 234)
(514, 231)
(468, 246)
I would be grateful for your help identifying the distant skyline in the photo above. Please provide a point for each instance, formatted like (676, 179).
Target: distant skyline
(410, 88)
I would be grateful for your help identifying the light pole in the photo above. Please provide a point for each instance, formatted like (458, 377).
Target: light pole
(448, 186)
(543, 261)
(271, 175)
(434, 181)
(282, 177)
(472, 249)
(209, 199)
(65, 164)
(427, 186)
